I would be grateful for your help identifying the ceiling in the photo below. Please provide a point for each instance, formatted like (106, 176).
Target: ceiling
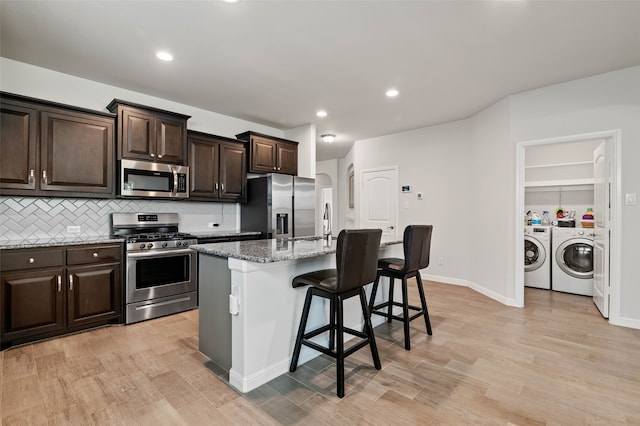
(278, 62)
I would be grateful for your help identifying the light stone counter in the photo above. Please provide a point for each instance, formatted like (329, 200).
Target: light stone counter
(253, 279)
(57, 242)
(275, 250)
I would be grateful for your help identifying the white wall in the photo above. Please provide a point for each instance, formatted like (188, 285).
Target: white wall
(435, 161)
(306, 136)
(604, 102)
(492, 186)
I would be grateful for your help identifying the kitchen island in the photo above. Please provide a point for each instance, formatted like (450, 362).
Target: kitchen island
(248, 311)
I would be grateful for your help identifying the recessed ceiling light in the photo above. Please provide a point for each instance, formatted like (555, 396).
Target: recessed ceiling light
(231, 1)
(321, 113)
(164, 56)
(392, 92)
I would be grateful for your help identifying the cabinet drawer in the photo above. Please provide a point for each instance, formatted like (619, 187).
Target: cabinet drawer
(96, 254)
(13, 260)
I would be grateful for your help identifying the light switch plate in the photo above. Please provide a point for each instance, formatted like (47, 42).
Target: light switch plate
(630, 199)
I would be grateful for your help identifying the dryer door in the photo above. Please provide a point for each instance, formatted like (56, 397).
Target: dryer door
(534, 254)
(575, 258)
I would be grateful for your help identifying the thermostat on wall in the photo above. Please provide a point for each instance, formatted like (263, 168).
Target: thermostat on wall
(406, 188)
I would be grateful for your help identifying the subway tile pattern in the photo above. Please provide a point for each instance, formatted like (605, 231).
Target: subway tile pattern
(24, 218)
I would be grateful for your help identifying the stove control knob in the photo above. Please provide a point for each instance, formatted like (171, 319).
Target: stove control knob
(164, 244)
(178, 243)
(185, 243)
(142, 246)
(150, 246)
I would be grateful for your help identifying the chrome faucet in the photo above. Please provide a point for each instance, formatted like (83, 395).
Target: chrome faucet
(326, 223)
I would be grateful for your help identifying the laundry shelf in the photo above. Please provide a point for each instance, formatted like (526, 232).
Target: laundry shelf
(558, 185)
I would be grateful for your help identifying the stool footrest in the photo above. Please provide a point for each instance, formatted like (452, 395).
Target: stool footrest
(317, 331)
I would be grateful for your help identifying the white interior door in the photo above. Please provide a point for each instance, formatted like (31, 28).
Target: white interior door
(601, 174)
(379, 200)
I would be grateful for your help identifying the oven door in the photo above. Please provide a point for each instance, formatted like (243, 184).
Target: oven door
(153, 275)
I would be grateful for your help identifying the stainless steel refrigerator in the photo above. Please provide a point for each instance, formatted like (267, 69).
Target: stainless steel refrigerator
(280, 206)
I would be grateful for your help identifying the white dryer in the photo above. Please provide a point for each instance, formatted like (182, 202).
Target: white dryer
(537, 256)
(572, 266)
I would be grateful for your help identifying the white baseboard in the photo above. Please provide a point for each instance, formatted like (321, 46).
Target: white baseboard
(625, 322)
(475, 287)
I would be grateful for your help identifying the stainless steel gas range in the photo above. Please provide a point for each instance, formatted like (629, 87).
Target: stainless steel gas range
(161, 271)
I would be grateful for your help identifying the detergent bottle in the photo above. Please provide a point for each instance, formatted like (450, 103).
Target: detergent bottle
(535, 219)
(545, 218)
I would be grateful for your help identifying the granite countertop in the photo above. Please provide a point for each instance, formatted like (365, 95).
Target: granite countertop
(274, 250)
(57, 242)
(222, 234)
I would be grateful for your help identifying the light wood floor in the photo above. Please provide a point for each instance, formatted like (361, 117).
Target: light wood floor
(554, 362)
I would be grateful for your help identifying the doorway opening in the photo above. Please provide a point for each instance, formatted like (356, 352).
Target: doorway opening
(525, 172)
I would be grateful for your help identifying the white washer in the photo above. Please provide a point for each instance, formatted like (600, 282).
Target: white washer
(572, 266)
(537, 256)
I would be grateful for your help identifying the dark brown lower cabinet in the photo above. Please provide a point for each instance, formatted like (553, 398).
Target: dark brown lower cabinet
(48, 292)
(32, 303)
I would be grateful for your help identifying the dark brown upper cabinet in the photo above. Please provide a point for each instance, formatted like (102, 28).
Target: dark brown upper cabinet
(49, 149)
(270, 154)
(151, 134)
(217, 167)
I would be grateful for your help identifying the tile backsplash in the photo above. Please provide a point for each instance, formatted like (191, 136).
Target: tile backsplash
(36, 218)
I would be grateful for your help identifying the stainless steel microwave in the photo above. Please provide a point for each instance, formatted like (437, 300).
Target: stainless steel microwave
(155, 180)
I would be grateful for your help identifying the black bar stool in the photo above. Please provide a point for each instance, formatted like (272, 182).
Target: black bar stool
(356, 260)
(417, 246)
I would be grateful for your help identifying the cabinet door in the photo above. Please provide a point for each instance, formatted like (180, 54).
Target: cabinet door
(32, 303)
(287, 158)
(203, 168)
(18, 136)
(263, 155)
(94, 294)
(76, 153)
(137, 135)
(233, 173)
(171, 137)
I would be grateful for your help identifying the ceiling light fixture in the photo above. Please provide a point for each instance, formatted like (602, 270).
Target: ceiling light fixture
(392, 93)
(328, 138)
(321, 113)
(164, 56)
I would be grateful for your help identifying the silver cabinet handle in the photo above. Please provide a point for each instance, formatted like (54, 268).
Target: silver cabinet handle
(222, 186)
(275, 168)
(159, 155)
(152, 155)
(32, 260)
(216, 186)
(31, 175)
(70, 282)
(44, 176)
(278, 168)
(391, 227)
(95, 254)
(59, 283)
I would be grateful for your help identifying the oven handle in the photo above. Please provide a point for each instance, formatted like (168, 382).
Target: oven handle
(159, 254)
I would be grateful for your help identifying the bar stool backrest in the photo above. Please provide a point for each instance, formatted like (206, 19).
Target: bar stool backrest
(357, 257)
(417, 247)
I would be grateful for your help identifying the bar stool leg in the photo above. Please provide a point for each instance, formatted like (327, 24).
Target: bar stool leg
(374, 291)
(339, 346)
(303, 325)
(390, 307)
(369, 330)
(332, 323)
(423, 300)
(405, 313)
